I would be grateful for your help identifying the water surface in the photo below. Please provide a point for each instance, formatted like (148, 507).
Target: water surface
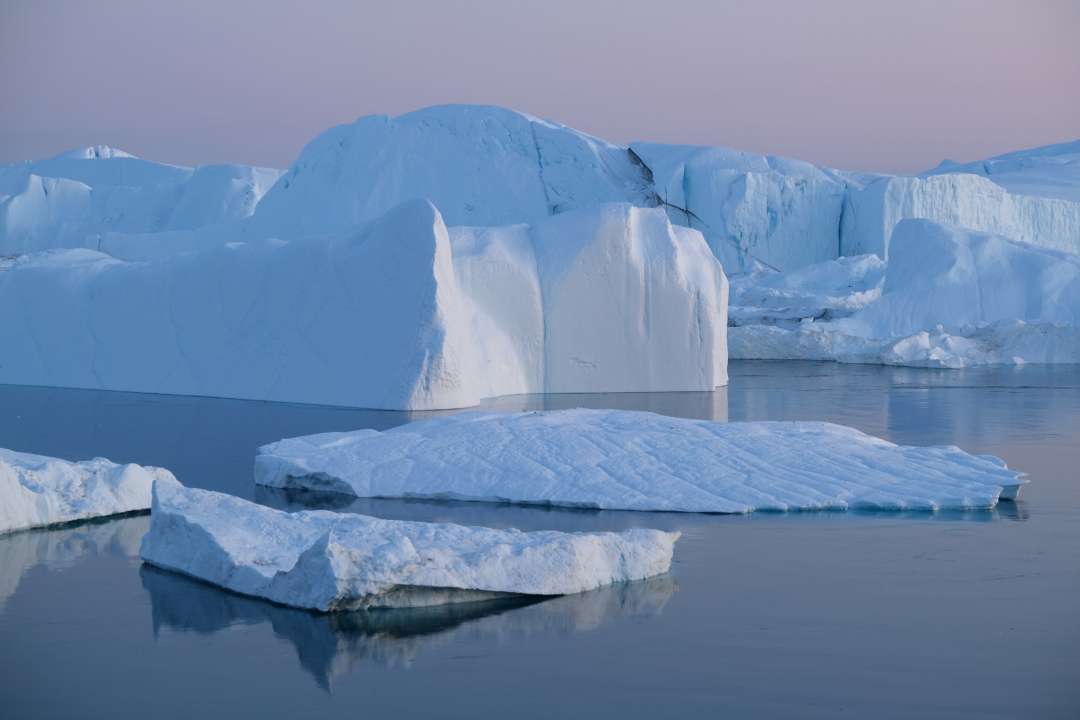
(769, 615)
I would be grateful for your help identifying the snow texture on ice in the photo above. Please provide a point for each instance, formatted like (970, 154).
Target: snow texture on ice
(619, 460)
(951, 297)
(402, 314)
(36, 491)
(339, 561)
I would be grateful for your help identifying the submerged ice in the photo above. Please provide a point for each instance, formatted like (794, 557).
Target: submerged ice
(619, 460)
(338, 561)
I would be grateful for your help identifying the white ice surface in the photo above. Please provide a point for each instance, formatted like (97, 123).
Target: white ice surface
(336, 561)
(751, 208)
(620, 460)
(480, 165)
(36, 491)
(401, 314)
(1051, 171)
(79, 198)
(873, 212)
(951, 298)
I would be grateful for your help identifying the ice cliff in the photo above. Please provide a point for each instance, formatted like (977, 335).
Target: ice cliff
(401, 314)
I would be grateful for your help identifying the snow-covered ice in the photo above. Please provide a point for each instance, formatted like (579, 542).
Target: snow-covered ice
(873, 212)
(339, 561)
(401, 314)
(751, 208)
(82, 197)
(36, 491)
(1051, 171)
(480, 165)
(951, 297)
(620, 460)
(823, 291)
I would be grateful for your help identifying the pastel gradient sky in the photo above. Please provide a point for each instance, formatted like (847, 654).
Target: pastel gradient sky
(855, 84)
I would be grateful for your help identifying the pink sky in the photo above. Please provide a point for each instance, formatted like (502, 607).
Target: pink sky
(892, 86)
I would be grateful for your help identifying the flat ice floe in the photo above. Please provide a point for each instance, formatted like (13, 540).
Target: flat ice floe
(619, 460)
(36, 490)
(339, 561)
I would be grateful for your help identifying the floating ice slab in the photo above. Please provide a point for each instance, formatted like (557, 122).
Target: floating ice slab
(36, 491)
(619, 460)
(337, 561)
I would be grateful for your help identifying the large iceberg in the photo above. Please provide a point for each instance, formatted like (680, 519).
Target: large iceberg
(619, 460)
(339, 561)
(950, 297)
(402, 314)
(84, 198)
(36, 491)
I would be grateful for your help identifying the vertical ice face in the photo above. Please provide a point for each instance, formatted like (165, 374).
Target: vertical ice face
(402, 314)
(629, 301)
(970, 201)
(750, 208)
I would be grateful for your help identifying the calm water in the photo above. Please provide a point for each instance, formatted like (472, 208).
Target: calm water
(817, 614)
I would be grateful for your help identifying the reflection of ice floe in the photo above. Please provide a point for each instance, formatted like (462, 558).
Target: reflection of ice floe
(329, 646)
(63, 547)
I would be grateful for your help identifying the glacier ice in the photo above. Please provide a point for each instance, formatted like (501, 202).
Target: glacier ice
(751, 208)
(873, 212)
(480, 165)
(339, 561)
(37, 491)
(950, 297)
(1050, 171)
(401, 314)
(79, 198)
(621, 460)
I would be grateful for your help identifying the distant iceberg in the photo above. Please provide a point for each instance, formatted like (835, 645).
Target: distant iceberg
(620, 460)
(36, 491)
(338, 561)
(949, 297)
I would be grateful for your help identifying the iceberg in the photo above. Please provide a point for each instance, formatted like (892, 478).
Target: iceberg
(620, 460)
(873, 212)
(752, 209)
(1050, 171)
(950, 297)
(480, 165)
(402, 314)
(338, 561)
(37, 491)
(82, 197)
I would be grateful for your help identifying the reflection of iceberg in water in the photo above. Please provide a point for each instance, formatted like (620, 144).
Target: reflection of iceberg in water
(331, 645)
(62, 547)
